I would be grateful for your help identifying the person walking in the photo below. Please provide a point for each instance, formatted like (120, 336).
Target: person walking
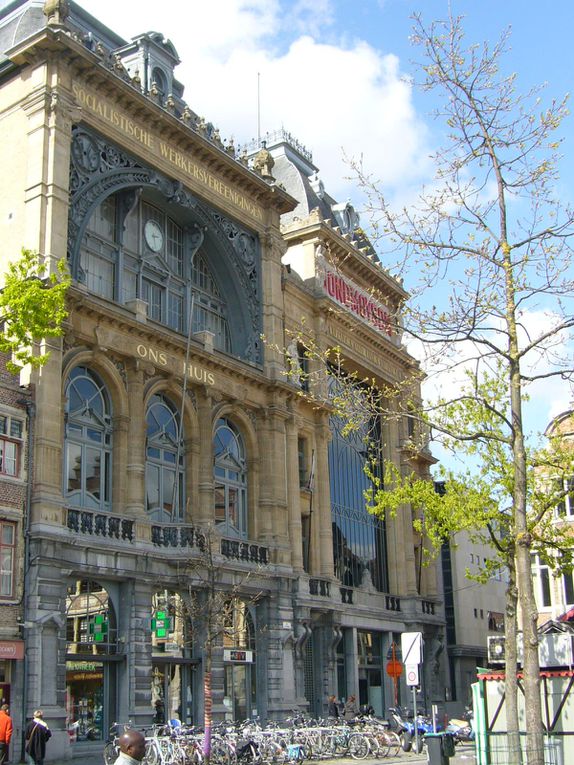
(333, 710)
(132, 748)
(350, 711)
(5, 732)
(37, 733)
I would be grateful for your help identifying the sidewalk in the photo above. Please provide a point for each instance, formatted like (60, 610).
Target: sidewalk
(464, 756)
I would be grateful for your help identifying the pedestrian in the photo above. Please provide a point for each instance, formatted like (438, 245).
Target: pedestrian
(37, 733)
(132, 747)
(350, 710)
(333, 710)
(5, 732)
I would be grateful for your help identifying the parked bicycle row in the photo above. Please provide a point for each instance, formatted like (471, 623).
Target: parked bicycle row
(250, 744)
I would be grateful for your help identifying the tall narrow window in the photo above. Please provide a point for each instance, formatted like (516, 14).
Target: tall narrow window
(164, 462)
(230, 471)
(88, 441)
(7, 558)
(11, 429)
(541, 575)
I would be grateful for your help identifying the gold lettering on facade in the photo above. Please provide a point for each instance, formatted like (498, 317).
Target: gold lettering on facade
(195, 372)
(185, 164)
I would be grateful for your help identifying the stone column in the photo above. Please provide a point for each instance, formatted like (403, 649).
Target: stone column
(139, 654)
(135, 447)
(322, 500)
(294, 494)
(203, 513)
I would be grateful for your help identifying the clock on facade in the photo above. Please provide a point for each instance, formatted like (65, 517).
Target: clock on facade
(153, 235)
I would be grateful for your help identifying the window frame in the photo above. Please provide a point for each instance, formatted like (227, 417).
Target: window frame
(17, 441)
(224, 467)
(11, 547)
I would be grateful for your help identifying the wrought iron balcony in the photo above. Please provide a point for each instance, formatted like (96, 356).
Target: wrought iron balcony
(100, 524)
(320, 587)
(392, 603)
(235, 548)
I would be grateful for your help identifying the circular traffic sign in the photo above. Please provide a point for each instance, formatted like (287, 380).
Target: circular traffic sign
(394, 668)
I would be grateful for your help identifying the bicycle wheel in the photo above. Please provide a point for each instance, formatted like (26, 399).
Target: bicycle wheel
(152, 754)
(111, 753)
(394, 742)
(358, 746)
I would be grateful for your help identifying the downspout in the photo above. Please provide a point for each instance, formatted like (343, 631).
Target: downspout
(31, 414)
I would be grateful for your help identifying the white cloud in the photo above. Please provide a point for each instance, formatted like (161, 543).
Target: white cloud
(336, 99)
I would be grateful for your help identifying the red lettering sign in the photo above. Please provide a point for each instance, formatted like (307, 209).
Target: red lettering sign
(11, 649)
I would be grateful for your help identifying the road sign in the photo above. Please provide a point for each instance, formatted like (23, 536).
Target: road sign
(412, 647)
(412, 676)
(394, 668)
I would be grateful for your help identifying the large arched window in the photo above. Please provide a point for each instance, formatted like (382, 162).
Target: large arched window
(88, 446)
(137, 250)
(230, 473)
(164, 462)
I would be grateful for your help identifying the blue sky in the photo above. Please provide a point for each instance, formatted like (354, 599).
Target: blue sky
(335, 73)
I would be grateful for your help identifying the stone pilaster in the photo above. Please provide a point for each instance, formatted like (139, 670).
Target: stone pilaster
(135, 447)
(294, 494)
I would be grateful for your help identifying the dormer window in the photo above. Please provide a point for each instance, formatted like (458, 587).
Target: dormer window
(159, 78)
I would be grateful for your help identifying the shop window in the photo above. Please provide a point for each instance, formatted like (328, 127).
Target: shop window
(230, 474)
(11, 429)
(172, 639)
(7, 558)
(91, 640)
(239, 679)
(164, 478)
(142, 252)
(88, 446)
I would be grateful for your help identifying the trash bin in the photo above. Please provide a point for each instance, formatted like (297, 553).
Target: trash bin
(440, 747)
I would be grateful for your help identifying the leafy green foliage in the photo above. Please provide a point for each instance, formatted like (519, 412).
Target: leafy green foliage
(32, 307)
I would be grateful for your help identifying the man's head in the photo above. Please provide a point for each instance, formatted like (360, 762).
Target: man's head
(132, 743)
(38, 714)
(5, 708)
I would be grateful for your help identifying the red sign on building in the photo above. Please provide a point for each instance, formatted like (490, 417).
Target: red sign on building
(11, 649)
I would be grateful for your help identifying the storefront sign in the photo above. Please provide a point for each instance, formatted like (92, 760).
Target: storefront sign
(152, 144)
(234, 654)
(195, 372)
(11, 649)
(359, 302)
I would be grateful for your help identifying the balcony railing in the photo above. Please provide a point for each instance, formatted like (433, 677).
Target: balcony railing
(234, 548)
(320, 587)
(100, 524)
(428, 607)
(392, 603)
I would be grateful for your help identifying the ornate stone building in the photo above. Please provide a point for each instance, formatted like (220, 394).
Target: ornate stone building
(163, 416)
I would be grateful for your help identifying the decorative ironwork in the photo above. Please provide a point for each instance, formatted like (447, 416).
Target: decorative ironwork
(346, 595)
(234, 548)
(100, 524)
(99, 169)
(392, 603)
(320, 587)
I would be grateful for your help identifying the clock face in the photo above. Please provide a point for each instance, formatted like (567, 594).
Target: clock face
(153, 235)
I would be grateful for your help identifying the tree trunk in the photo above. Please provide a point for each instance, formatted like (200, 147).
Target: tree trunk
(511, 653)
(207, 705)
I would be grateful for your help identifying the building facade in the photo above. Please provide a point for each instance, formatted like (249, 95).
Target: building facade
(175, 410)
(16, 405)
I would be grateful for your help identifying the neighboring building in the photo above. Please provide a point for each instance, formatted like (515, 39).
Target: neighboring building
(554, 590)
(162, 411)
(15, 406)
(474, 611)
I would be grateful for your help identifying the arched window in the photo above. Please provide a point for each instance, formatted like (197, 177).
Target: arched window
(88, 446)
(230, 472)
(164, 462)
(138, 251)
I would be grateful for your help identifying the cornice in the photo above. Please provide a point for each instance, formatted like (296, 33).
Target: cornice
(89, 67)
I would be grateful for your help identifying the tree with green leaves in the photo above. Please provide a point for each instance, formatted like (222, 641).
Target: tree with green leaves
(493, 233)
(32, 308)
